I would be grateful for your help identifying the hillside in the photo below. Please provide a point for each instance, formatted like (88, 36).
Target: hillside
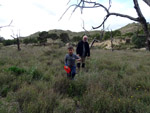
(132, 27)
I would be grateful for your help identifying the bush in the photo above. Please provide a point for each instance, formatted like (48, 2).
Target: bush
(29, 40)
(139, 41)
(53, 36)
(64, 37)
(102, 102)
(106, 35)
(76, 38)
(9, 42)
(66, 105)
(70, 88)
(130, 34)
(17, 70)
(33, 101)
(35, 74)
(42, 37)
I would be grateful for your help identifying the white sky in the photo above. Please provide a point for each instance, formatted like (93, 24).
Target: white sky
(30, 16)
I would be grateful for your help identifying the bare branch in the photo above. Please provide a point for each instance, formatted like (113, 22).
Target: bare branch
(66, 11)
(12, 36)
(147, 2)
(85, 29)
(7, 25)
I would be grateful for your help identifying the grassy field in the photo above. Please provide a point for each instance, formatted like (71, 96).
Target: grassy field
(33, 81)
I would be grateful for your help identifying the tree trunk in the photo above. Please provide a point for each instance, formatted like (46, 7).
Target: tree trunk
(112, 49)
(142, 20)
(18, 44)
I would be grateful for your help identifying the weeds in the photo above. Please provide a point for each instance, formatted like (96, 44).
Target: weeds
(112, 82)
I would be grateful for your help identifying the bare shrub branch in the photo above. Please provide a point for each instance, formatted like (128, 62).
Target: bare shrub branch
(7, 25)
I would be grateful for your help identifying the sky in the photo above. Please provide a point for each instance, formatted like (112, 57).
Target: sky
(30, 16)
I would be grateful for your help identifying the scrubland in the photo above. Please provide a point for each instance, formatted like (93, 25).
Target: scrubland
(33, 81)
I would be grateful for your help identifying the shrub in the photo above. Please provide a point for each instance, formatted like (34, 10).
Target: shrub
(34, 74)
(76, 38)
(4, 90)
(32, 101)
(139, 41)
(70, 88)
(16, 70)
(9, 42)
(64, 37)
(66, 105)
(42, 37)
(106, 35)
(53, 36)
(30, 40)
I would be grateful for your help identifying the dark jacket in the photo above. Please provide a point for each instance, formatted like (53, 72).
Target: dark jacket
(79, 49)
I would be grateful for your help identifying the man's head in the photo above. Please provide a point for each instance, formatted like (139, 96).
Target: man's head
(85, 38)
(70, 50)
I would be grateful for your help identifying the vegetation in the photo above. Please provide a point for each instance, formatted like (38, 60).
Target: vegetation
(30, 40)
(42, 38)
(64, 37)
(33, 80)
(139, 41)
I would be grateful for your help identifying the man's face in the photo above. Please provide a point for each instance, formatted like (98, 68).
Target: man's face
(84, 39)
(70, 51)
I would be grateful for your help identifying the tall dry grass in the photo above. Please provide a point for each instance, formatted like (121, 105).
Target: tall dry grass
(33, 80)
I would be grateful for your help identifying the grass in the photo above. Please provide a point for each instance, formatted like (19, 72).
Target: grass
(33, 81)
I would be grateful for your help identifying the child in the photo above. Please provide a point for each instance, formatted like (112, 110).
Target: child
(70, 62)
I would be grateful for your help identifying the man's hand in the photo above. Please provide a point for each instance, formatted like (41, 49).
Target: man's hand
(79, 59)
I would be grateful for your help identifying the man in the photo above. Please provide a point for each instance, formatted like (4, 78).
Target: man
(83, 50)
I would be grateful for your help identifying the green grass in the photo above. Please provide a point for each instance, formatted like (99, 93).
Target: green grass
(33, 81)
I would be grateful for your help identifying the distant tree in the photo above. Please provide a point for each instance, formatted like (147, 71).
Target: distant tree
(96, 35)
(76, 38)
(64, 37)
(53, 36)
(116, 33)
(1, 39)
(129, 34)
(16, 38)
(138, 40)
(29, 40)
(9, 42)
(42, 37)
(106, 35)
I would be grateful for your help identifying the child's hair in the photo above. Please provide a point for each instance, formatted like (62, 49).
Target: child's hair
(70, 47)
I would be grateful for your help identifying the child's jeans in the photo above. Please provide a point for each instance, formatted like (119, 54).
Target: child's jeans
(72, 73)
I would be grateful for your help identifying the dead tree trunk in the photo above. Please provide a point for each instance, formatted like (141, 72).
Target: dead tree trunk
(143, 22)
(111, 36)
(95, 40)
(18, 42)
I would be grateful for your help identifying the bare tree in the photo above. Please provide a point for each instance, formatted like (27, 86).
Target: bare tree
(89, 4)
(17, 38)
(147, 2)
(111, 36)
(7, 25)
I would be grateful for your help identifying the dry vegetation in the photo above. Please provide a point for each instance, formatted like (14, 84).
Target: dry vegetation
(33, 81)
